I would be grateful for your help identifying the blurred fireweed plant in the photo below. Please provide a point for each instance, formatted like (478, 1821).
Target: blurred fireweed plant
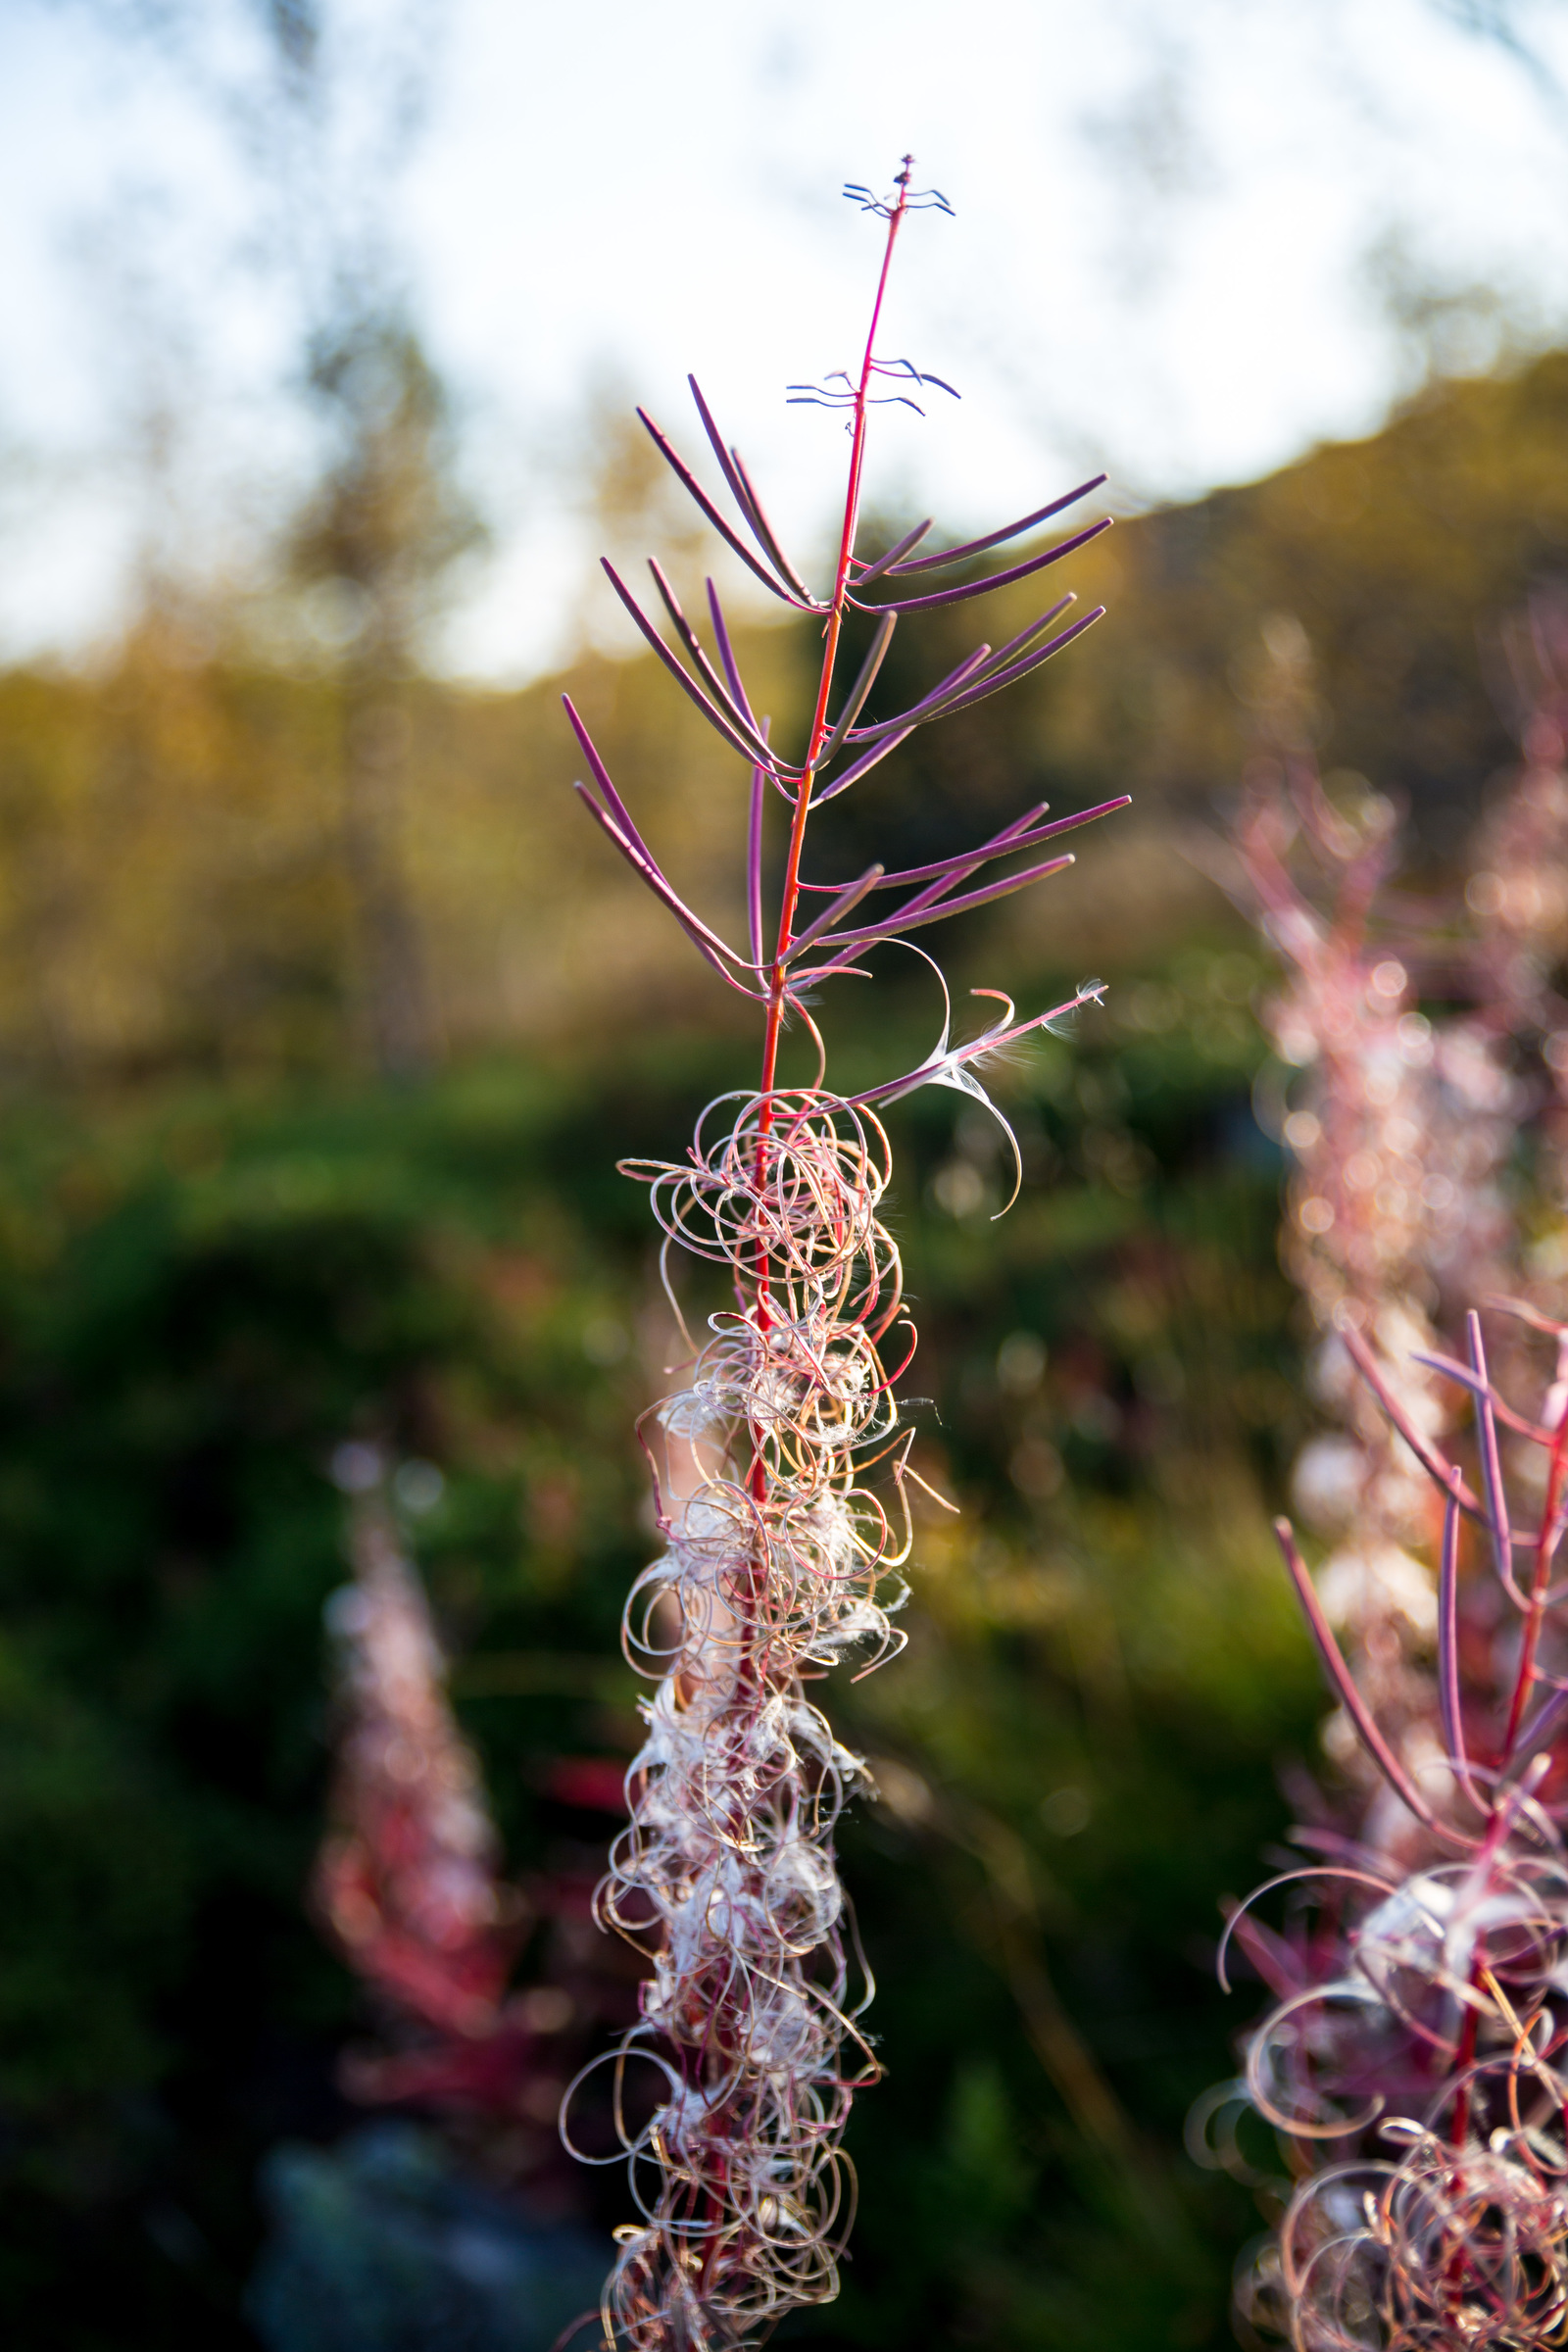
(408, 1880)
(408, 1884)
(780, 1557)
(1414, 2065)
(1399, 1134)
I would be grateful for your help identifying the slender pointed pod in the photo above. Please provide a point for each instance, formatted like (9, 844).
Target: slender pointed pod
(956, 871)
(1342, 1683)
(1491, 1485)
(756, 515)
(1448, 1474)
(978, 547)
(1022, 834)
(911, 916)
(734, 707)
(745, 498)
(834, 912)
(1012, 836)
(1029, 636)
(753, 864)
(995, 579)
(726, 654)
(709, 946)
(726, 463)
(862, 686)
(735, 732)
(1016, 838)
(694, 489)
(866, 572)
(1549, 1719)
(1449, 1636)
(986, 672)
(863, 766)
(931, 702)
(613, 800)
(996, 681)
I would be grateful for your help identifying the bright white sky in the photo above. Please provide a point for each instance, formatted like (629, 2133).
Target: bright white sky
(1159, 261)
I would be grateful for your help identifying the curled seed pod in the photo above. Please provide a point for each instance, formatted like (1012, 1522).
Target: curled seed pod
(725, 1874)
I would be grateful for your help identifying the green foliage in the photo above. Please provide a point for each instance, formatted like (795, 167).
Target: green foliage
(203, 1292)
(216, 841)
(96, 1908)
(206, 1284)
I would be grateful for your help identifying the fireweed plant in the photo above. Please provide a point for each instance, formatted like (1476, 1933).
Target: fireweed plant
(409, 1890)
(1416, 2063)
(780, 1555)
(1399, 1130)
(406, 1883)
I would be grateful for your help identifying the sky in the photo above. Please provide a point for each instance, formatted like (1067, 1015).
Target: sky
(1182, 237)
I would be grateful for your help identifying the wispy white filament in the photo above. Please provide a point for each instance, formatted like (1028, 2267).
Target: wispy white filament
(778, 1561)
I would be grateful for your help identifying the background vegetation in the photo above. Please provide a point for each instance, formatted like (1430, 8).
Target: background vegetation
(323, 1021)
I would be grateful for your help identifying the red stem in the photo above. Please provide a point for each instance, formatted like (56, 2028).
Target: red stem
(748, 1674)
(832, 630)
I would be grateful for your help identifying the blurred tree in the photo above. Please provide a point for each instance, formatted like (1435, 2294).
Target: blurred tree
(325, 103)
(1504, 23)
(376, 537)
(369, 554)
(176, 884)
